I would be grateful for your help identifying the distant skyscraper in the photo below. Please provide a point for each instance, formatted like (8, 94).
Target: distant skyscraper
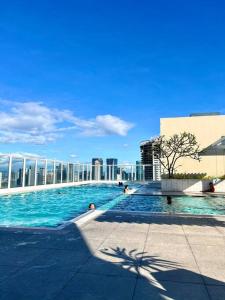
(97, 169)
(111, 169)
(149, 158)
(58, 173)
(41, 176)
(30, 176)
(20, 177)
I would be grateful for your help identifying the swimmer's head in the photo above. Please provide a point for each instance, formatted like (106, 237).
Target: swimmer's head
(91, 206)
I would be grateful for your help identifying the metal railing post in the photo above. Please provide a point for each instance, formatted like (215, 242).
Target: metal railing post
(144, 173)
(132, 175)
(82, 176)
(45, 173)
(68, 173)
(9, 170)
(35, 172)
(54, 177)
(24, 170)
(73, 172)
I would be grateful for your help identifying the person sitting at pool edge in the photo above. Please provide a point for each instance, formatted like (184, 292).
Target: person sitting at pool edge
(211, 188)
(126, 189)
(91, 206)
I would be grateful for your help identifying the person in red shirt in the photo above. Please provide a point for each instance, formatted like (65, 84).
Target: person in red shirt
(211, 188)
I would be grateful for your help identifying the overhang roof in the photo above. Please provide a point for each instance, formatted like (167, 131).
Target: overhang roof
(217, 148)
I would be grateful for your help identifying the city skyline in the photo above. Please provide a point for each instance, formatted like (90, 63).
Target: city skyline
(19, 172)
(75, 84)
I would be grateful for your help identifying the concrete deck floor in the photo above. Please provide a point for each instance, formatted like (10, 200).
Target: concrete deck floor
(117, 256)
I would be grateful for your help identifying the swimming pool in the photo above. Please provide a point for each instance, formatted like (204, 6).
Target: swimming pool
(50, 208)
(180, 204)
(53, 207)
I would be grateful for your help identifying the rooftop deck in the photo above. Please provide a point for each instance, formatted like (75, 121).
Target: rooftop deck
(117, 256)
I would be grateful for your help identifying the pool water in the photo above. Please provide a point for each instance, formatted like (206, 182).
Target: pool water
(53, 207)
(180, 204)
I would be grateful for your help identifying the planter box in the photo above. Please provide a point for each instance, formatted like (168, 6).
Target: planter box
(190, 185)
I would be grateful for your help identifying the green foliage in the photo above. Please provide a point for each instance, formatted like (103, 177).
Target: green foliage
(210, 177)
(185, 176)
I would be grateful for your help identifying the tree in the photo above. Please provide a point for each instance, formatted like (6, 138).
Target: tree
(170, 150)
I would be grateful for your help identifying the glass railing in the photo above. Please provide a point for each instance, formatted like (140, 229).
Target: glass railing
(22, 171)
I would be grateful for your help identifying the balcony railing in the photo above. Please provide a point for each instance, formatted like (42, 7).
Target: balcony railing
(24, 171)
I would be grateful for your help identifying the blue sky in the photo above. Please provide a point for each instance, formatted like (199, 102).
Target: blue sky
(80, 79)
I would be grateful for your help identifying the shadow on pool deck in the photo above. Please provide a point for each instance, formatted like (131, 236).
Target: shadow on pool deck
(170, 219)
(99, 261)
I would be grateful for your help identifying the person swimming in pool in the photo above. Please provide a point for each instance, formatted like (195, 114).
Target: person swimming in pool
(91, 206)
(169, 200)
(126, 189)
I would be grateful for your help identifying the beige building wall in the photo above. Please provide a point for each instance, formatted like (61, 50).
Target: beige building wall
(207, 129)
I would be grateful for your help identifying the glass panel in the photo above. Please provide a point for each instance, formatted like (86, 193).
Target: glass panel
(16, 173)
(70, 172)
(132, 173)
(64, 172)
(58, 167)
(41, 172)
(4, 172)
(103, 172)
(111, 172)
(50, 172)
(139, 172)
(88, 172)
(81, 173)
(76, 172)
(30, 172)
(84, 172)
(98, 171)
(126, 172)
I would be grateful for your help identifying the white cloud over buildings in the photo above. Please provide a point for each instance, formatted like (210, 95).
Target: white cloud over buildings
(36, 123)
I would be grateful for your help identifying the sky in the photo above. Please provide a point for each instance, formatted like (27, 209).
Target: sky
(83, 79)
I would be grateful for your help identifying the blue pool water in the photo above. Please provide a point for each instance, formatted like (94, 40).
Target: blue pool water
(183, 204)
(53, 207)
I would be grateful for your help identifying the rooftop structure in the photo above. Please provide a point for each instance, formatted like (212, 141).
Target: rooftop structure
(149, 158)
(209, 131)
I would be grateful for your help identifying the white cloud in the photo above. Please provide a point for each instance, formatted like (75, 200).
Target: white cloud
(35, 123)
(22, 154)
(73, 155)
(106, 125)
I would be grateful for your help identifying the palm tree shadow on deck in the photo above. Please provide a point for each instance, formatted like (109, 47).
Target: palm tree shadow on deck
(71, 268)
(161, 279)
(157, 278)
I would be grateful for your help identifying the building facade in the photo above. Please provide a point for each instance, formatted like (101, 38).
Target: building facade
(149, 158)
(209, 130)
(97, 169)
(111, 168)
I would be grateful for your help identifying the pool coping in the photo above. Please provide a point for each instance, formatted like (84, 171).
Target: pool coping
(90, 215)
